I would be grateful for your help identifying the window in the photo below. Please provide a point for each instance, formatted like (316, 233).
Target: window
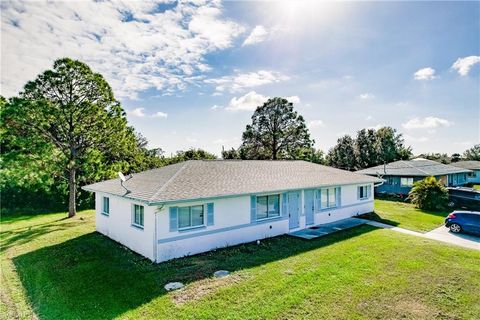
(190, 217)
(406, 182)
(137, 216)
(329, 198)
(363, 192)
(105, 206)
(268, 206)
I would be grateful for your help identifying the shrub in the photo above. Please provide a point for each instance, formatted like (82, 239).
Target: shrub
(429, 194)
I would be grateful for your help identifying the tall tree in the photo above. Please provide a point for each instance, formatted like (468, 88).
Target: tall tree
(74, 109)
(276, 132)
(390, 146)
(472, 153)
(342, 155)
(365, 148)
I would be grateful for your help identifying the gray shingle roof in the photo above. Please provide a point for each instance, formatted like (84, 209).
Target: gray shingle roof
(471, 164)
(422, 168)
(215, 178)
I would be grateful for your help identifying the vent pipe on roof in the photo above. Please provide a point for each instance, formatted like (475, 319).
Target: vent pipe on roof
(124, 179)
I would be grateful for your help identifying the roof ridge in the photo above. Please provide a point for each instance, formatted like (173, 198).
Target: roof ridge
(168, 181)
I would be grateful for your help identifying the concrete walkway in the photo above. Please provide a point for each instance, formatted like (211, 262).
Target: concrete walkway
(327, 228)
(439, 234)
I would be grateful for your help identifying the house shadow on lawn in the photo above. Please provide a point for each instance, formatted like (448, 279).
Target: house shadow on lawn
(375, 217)
(94, 277)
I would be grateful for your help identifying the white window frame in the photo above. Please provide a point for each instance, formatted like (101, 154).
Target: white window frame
(105, 213)
(191, 226)
(364, 190)
(408, 179)
(336, 190)
(268, 213)
(135, 224)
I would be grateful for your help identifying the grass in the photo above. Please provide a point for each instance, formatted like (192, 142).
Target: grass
(405, 215)
(476, 186)
(56, 268)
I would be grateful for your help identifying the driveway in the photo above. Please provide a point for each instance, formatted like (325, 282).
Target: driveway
(439, 234)
(464, 240)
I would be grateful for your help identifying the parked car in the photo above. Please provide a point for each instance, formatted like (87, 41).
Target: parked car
(463, 197)
(463, 221)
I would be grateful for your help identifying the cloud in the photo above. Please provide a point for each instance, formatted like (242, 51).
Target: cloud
(424, 74)
(215, 107)
(140, 113)
(258, 34)
(416, 139)
(463, 65)
(377, 127)
(242, 81)
(426, 123)
(160, 114)
(369, 117)
(137, 112)
(366, 96)
(247, 102)
(135, 45)
(293, 99)
(315, 124)
(226, 141)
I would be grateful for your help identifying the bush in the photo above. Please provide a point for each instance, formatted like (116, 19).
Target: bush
(429, 194)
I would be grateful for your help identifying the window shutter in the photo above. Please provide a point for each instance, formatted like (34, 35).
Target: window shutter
(339, 197)
(358, 193)
(253, 208)
(369, 191)
(173, 219)
(210, 214)
(318, 198)
(284, 204)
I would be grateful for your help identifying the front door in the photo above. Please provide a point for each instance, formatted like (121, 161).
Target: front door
(309, 207)
(293, 209)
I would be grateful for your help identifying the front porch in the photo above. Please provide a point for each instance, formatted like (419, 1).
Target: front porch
(327, 228)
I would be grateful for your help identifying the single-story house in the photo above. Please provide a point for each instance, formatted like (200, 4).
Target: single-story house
(197, 206)
(400, 175)
(474, 166)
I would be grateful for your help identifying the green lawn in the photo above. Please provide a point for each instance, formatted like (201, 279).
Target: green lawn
(405, 215)
(61, 269)
(476, 186)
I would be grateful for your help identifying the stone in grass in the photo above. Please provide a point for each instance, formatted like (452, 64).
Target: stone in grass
(173, 286)
(221, 273)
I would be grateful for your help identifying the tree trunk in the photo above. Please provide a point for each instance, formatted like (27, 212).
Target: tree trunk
(72, 184)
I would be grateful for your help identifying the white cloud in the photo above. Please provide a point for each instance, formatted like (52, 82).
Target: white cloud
(242, 81)
(247, 102)
(160, 114)
(226, 141)
(258, 34)
(315, 124)
(424, 74)
(215, 107)
(377, 127)
(426, 123)
(140, 113)
(410, 138)
(369, 117)
(134, 45)
(293, 99)
(463, 65)
(137, 112)
(366, 96)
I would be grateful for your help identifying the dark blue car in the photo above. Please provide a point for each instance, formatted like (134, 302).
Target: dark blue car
(463, 221)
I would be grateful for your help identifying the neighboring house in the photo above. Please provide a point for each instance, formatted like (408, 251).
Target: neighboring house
(400, 175)
(197, 206)
(474, 166)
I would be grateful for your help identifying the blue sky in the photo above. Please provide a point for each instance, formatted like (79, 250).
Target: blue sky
(191, 74)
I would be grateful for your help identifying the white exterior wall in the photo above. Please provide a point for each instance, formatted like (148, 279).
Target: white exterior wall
(118, 225)
(350, 206)
(231, 226)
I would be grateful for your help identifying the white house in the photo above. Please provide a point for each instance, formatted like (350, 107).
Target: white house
(196, 206)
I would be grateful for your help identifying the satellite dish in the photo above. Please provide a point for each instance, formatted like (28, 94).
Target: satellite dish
(122, 177)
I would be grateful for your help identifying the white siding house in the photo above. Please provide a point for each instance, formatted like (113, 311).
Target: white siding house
(199, 206)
